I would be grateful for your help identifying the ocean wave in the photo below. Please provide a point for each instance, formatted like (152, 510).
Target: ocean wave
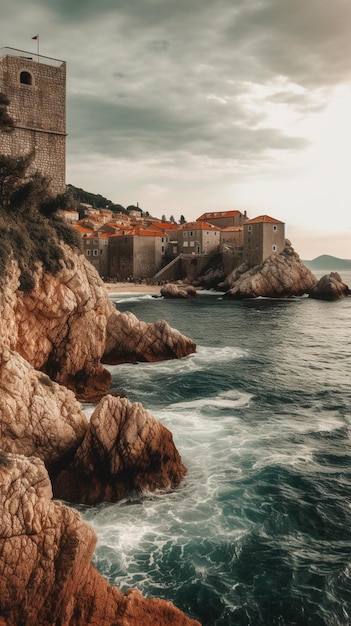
(224, 400)
(124, 298)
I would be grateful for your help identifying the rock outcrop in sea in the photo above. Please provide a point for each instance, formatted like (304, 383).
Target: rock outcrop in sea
(172, 290)
(125, 450)
(280, 276)
(330, 287)
(54, 338)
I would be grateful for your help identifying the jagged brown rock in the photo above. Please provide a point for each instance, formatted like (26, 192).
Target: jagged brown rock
(171, 290)
(46, 575)
(52, 340)
(37, 416)
(125, 449)
(330, 287)
(131, 340)
(67, 323)
(280, 276)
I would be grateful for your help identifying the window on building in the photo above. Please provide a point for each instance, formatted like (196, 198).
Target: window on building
(185, 233)
(275, 227)
(192, 244)
(249, 229)
(96, 241)
(26, 78)
(88, 252)
(191, 233)
(185, 244)
(95, 252)
(274, 248)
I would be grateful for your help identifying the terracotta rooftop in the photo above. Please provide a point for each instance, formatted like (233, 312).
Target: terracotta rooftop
(139, 231)
(263, 218)
(82, 230)
(199, 226)
(219, 214)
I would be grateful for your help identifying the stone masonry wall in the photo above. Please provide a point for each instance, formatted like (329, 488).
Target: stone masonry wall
(39, 113)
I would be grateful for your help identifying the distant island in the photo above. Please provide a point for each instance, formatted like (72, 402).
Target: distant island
(328, 263)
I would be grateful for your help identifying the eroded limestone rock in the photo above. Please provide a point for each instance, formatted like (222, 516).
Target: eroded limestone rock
(131, 340)
(37, 416)
(330, 287)
(67, 323)
(171, 290)
(124, 450)
(280, 276)
(46, 575)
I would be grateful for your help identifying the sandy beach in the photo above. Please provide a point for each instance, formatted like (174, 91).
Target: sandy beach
(132, 288)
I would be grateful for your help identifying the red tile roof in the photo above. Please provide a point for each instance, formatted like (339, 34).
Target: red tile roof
(199, 226)
(263, 218)
(139, 231)
(219, 214)
(82, 230)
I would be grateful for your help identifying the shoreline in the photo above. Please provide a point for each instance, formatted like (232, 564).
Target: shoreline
(125, 287)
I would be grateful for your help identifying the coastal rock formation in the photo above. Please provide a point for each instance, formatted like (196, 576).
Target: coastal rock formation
(121, 450)
(171, 290)
(131, 340)
(37, 416)
(125, 450)
(46, 575)
(54, 331)
(67, 323)
(330, 287)
(280, 276)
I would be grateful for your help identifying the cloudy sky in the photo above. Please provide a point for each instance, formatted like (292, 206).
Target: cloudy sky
(187, 106)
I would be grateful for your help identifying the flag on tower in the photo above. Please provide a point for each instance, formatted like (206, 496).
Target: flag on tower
(35, 37)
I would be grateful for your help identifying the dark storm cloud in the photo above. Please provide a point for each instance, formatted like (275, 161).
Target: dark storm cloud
(134, 130)
(179, 75)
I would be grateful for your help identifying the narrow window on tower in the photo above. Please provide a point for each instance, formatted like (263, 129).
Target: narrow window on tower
(26, 78)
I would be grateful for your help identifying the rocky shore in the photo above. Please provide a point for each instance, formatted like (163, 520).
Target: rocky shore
(55, 338)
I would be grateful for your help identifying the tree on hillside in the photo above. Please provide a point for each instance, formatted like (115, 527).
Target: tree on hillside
(182, 220)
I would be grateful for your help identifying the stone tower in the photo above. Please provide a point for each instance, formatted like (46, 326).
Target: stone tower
(36, 88)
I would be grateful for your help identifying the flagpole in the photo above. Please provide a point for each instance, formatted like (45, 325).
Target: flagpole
(36, 38)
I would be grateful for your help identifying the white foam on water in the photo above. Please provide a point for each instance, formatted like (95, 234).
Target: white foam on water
(223, 354)
(224, 400)
(123, 298)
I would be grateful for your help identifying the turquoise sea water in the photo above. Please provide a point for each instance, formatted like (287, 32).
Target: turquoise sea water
(259, 532)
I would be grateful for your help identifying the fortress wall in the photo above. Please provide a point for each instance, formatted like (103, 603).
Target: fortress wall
(39, 113)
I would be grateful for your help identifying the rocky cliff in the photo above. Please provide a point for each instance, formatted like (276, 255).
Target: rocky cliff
(54, 337)
(66, 326)
(280, 276)
(46, 575)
